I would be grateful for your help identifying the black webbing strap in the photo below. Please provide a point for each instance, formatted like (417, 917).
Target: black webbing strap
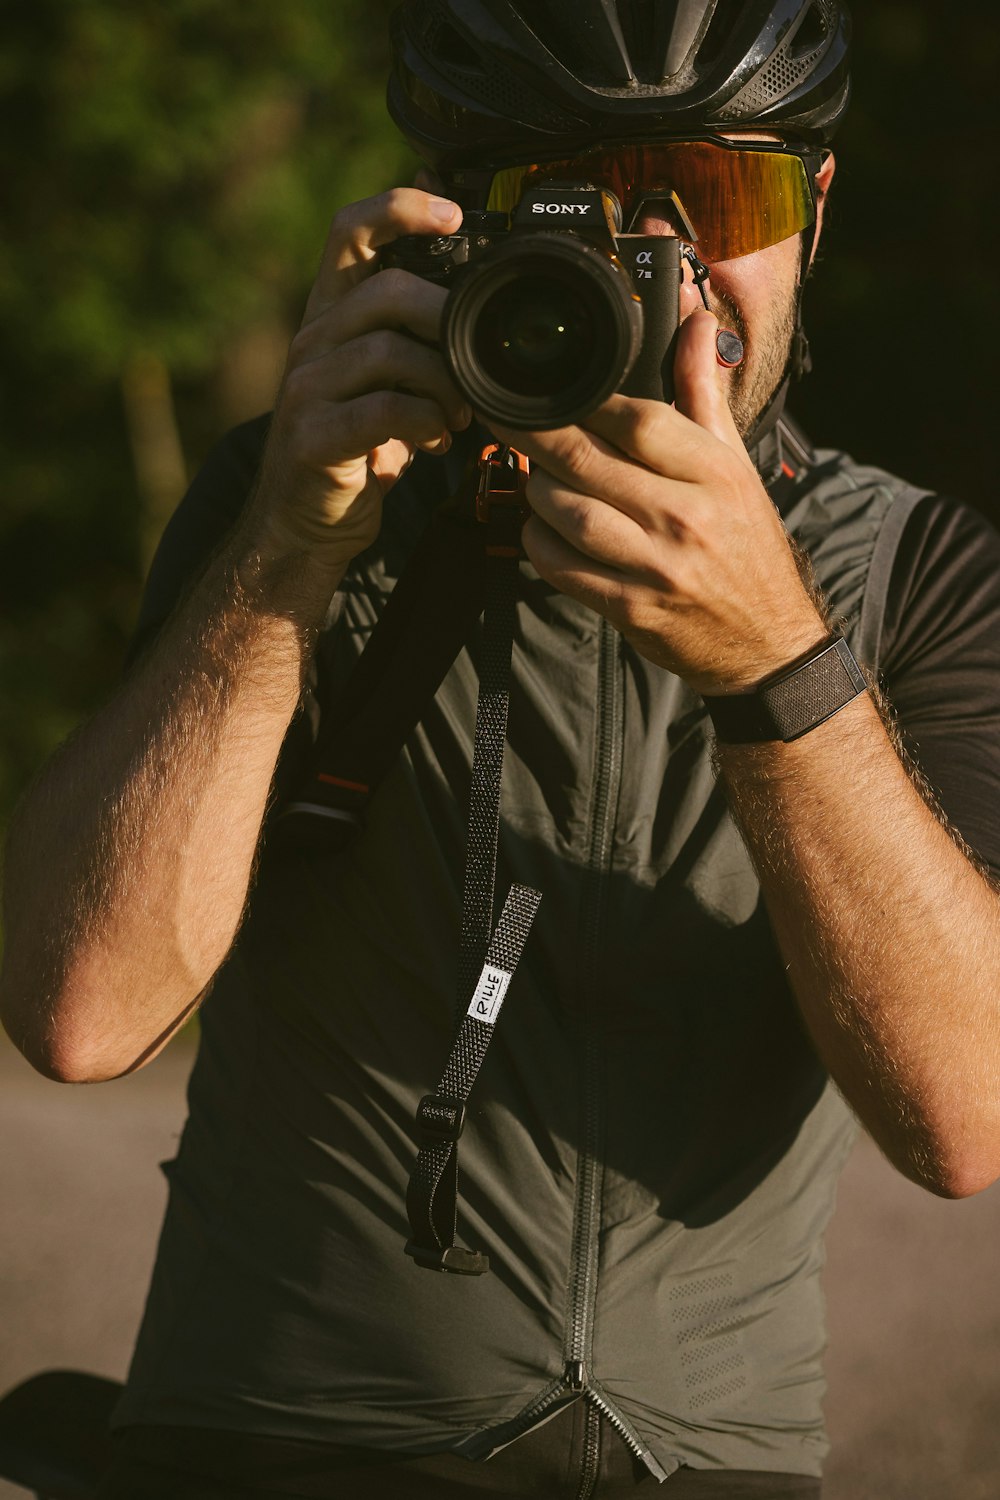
(485, 964)
(432, 1197)
(397, 675)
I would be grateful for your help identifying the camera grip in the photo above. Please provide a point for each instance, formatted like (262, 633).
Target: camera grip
(654, 263)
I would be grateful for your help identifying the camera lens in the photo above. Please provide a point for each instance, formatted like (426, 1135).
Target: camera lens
(542, 330)
(534, 338)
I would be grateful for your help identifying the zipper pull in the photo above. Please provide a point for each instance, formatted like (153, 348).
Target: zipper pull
(575, 1374)
(699, 271)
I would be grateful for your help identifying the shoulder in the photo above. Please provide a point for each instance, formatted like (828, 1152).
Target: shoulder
(941, 661)
(208, 511)
(945, 577)
(219, 490)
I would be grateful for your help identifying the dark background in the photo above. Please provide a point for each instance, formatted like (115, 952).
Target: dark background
(904, 313)
(169, 172)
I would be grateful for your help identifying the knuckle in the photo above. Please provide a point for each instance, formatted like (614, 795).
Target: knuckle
(395, 203)
(630, 612)
(395, 284)
(346, 431)
(382, 347)
(644, 424)
(723, 470)
(379, 408)
(346, 221)
(296, 390)
(578, 452)
(300, 353)
(298, 350)
(589, 525)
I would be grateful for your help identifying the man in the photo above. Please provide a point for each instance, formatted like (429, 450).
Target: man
(654, 1138)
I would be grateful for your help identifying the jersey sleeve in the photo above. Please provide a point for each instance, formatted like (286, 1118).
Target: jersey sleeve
(941, 662)
(199, 525)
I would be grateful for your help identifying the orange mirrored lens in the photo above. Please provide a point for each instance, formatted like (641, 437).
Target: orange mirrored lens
(738, 200)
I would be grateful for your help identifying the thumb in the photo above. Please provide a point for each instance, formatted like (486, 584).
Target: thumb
(700, 387)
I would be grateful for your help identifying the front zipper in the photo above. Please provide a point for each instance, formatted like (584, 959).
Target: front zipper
(576, 1381)
(590, 1169)
(590, 1459)
(590, 1161)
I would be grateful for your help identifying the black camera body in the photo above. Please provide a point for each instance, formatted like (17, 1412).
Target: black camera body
(554, 309)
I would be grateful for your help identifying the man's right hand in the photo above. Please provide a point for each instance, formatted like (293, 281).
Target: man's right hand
(365, 386)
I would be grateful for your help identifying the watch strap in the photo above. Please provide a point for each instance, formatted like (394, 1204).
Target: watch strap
(793, 701)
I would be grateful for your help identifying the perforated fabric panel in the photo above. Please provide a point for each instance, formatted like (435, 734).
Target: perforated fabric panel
(712, 1355)
(483, 81)
(787, 69)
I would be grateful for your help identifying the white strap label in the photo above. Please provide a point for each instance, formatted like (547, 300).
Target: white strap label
(489, 993)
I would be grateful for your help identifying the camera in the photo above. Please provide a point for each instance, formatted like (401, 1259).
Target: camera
(553, 308)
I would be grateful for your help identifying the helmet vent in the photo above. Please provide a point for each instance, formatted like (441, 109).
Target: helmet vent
(454, 51)
(638, 23)
(720, 30)
(474, 80)
(459, 65)
(661, 36)
(790, 65)
(586, 35)
(812, 33)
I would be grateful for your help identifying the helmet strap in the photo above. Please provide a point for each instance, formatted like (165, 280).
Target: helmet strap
(799, 356)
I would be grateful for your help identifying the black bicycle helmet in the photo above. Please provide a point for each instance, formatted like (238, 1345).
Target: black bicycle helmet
(477, 80)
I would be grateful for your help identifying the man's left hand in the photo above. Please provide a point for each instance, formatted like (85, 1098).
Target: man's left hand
(655, 517)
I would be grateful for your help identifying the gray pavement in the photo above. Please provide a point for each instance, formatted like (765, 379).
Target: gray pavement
(912, 1284)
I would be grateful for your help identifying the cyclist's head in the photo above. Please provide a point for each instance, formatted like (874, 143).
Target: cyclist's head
(604, 90)
(484, 81)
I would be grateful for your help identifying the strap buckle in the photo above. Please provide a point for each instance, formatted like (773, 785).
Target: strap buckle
(500, 501)
(441, 1117)
(454, 1258)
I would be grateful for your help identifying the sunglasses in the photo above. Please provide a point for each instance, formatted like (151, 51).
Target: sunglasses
(730, 197)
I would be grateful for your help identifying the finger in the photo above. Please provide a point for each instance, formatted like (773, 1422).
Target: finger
(385, 360)
(392, 299)
(701, 388)
(331, 436)
(390, 461)
(593, 583)
(594, 529)
(360, 230)
(670, 443)
(623, 455)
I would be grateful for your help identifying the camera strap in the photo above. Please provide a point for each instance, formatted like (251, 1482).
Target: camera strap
(397, 674)
(488, 956)
(469, 552)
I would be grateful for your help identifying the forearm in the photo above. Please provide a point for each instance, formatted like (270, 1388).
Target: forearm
(891, 938)
(129, 862)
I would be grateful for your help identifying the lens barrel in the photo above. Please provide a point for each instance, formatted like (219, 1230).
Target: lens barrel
(541, 330)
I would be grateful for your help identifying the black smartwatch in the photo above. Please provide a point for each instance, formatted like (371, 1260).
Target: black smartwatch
(793, 701)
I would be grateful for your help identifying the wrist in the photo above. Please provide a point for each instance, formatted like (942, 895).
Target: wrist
(283, 575)
(788, 703)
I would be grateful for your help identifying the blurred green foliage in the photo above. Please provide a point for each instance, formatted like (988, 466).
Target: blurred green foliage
(169, 171)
